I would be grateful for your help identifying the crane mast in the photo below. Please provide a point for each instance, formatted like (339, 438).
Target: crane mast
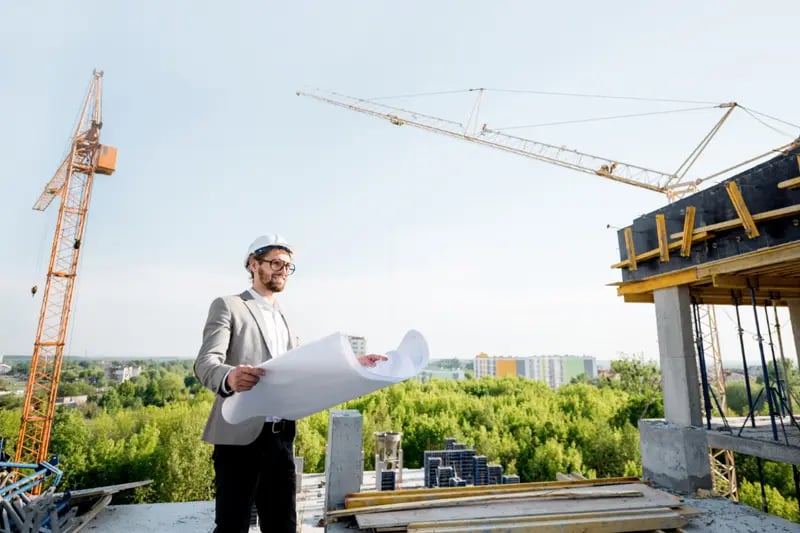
(72, 182)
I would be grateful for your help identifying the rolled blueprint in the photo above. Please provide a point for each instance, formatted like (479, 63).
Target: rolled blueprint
(322, 374)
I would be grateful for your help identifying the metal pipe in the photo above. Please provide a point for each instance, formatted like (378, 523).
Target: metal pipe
(750, 405)
(702, 360)
(781, 383)
(764, 370)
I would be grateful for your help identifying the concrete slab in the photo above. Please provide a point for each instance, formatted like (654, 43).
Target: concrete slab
(724, 516)
(740, 436)
(198, 517)
(719, 515)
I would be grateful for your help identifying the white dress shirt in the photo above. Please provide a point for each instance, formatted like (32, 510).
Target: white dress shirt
(276, 333)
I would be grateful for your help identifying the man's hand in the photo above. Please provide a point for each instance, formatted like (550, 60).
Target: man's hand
(243, 378)
(371, 359)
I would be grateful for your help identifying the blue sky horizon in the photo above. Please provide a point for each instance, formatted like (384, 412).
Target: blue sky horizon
(397, 228)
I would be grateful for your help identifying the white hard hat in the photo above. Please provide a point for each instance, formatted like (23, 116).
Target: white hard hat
(263, 243)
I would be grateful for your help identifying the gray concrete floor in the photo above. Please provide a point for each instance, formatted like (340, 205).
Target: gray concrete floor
(787, 430)
(719, 515)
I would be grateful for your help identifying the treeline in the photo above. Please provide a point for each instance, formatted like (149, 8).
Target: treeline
(149, 428)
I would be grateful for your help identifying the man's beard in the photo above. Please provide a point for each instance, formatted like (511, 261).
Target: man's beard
(273, 284)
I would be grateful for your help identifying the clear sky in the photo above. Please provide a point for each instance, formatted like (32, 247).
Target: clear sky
(397, 228)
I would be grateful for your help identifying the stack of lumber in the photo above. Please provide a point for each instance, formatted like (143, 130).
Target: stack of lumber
(567, 505)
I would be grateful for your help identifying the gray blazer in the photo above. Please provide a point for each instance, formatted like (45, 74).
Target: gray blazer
(233, 335)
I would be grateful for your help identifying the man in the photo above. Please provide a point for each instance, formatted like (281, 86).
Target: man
(254, 460)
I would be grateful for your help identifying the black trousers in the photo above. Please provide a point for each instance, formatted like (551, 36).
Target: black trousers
(261, 472)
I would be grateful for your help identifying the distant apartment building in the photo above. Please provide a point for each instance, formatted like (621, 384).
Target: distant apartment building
(359, 345)
(555, 370)
(72, 401)
(4, 368)
(121, 374)
(429, 374)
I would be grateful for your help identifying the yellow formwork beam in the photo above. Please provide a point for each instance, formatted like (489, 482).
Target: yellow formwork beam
(630, 248)
(663, 240)
(688, 231)
(739, 204)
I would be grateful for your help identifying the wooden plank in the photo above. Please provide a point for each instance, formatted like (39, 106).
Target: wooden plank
(764, 283)
(679, 277)
(688, 231)
(689, 511)
(760, 258)
(736, 222)
(742, 293)
(573, 494)
(790, 184)
(607, 524)
(663, 241)
(646, 298)
(652, 254)
(498, 522)
(363, 499)
(535, 507)
(740, 205)
(629, 247)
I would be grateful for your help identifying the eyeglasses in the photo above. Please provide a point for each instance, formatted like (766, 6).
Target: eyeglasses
(277, 265)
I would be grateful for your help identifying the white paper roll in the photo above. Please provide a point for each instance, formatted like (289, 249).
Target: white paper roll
(321, 374)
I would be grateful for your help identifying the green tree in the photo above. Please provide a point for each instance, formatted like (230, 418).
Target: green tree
(777, 504)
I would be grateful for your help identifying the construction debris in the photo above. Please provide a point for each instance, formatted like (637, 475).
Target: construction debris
(29, 502)
(570, 505)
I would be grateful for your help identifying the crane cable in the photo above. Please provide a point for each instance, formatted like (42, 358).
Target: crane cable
(607, 117)
(751, 112)
(547, 93)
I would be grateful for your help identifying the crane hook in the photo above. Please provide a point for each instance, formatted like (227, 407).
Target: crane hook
(34, 289)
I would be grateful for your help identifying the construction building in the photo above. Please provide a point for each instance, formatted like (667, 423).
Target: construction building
(555, 370)
(736, 243)
(121, 374)
(434, 373)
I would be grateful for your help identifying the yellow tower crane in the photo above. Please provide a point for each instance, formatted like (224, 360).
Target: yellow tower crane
(673, 184)
(72, 182)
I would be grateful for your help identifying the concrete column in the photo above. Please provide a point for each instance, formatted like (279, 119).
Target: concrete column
(794, 317)
(675, 451)
(677, 356)
(675, 457)
(343, 467)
